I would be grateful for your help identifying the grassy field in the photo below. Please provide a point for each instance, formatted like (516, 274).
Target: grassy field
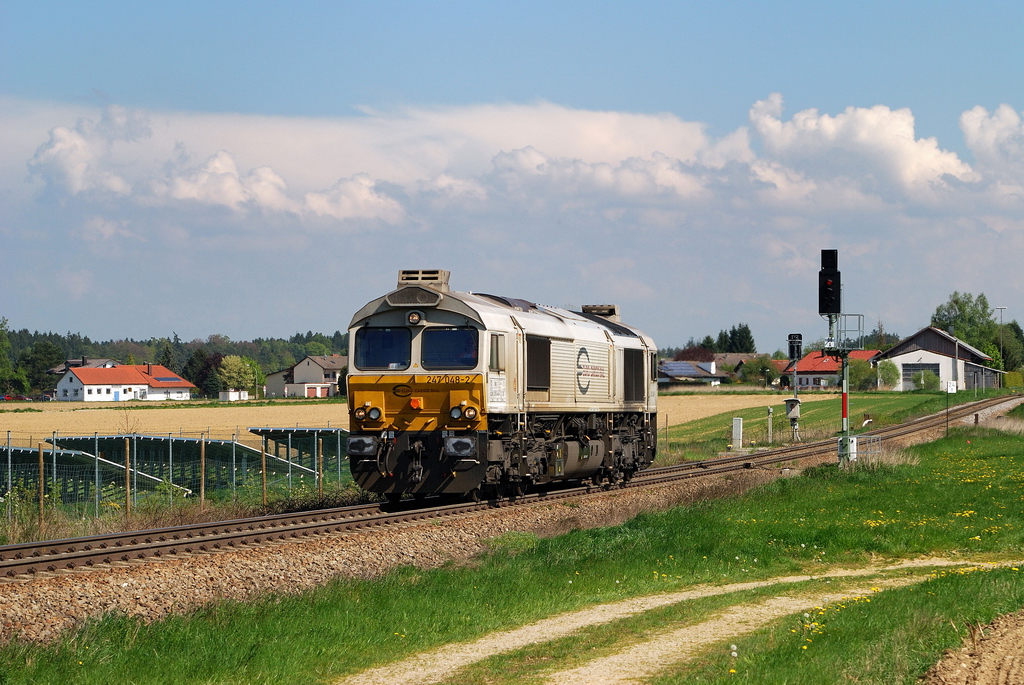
(956, 498)
(821, 418)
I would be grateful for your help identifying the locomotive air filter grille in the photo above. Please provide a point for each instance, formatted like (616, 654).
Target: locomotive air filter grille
(414, 296)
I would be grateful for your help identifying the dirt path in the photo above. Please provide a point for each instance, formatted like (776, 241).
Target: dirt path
(630, 664)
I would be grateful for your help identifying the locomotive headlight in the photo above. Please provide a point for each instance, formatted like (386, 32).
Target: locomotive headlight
(374, 414)
(469, 413)
(359, 413)
(456, 413)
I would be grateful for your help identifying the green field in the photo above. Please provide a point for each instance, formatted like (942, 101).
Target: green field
(819, 420)
(958, 498)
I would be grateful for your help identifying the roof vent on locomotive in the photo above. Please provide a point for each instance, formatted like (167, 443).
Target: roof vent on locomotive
(472, 394)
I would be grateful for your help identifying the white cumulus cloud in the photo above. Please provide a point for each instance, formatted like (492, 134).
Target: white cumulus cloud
(355, 198)
(79, 158)
(860, 144)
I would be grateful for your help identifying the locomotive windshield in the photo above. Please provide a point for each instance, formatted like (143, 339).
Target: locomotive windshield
(383, 348)
(449, 348)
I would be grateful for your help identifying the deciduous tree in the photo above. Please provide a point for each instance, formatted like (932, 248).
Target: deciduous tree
(966, 317)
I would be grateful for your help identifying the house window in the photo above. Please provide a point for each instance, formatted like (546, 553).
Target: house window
(65, 392)
(76, 392)
(108, 391)
(90, 391)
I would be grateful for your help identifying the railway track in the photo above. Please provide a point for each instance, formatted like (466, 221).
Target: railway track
(24, 562)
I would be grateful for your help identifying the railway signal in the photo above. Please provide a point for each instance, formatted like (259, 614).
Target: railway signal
(829, 294)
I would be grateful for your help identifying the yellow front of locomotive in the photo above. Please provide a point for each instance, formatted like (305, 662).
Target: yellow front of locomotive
(416, 392)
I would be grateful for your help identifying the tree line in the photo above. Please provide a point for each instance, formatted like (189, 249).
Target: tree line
(26, 357)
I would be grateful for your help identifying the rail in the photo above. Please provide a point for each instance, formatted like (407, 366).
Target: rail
(24, 562)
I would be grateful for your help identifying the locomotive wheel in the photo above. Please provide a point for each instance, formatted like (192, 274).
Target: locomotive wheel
(473, 495)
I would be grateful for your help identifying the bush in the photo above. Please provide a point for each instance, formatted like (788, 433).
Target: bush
(926, 380)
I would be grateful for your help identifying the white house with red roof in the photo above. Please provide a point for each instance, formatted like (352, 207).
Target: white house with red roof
(817, 369)
(122, 383)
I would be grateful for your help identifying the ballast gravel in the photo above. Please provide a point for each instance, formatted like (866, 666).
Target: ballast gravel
(42, 609)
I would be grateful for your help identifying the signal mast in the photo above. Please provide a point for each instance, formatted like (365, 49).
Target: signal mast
(845, 334)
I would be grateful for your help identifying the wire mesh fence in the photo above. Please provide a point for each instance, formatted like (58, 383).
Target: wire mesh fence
(95, 474)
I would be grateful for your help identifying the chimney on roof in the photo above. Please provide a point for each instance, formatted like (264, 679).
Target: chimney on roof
(149, 369)
(84, 360)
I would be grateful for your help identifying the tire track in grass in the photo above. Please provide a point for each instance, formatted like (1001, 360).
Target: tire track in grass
(644, 660)
(438, 664)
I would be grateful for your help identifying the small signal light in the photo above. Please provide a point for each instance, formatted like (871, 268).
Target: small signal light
(416, 402)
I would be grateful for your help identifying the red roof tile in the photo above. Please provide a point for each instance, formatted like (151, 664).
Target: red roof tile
(153, 375)
(820, 363)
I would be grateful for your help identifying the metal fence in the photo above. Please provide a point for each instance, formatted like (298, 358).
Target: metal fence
(98, 473)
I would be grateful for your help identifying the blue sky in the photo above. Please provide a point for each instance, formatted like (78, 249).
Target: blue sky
(260, 168)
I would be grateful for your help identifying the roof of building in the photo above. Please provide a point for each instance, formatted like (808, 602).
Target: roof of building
(736, 359)
(153, 375)
(83, 362)
(817, 362)
(333, 362)
(687, 370)
(938, 341)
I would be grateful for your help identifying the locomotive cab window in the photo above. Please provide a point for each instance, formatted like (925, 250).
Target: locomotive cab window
(383, 348)
(449, 348)
(497, 358)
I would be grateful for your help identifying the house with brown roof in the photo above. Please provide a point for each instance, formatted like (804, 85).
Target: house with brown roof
(819, 370)
(82, 362)
(951, 359)
(122, 383)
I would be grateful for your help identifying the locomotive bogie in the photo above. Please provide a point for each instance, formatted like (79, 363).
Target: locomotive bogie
(459, 392)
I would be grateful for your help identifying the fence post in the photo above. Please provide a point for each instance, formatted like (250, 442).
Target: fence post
(127, 477)
(10, 478)
(263, 469)
(202, 472)
(42, 487)
(170, 466)
(320, 467)
(96, 475)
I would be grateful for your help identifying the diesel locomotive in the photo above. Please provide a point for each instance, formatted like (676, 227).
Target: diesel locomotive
(460, 393)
